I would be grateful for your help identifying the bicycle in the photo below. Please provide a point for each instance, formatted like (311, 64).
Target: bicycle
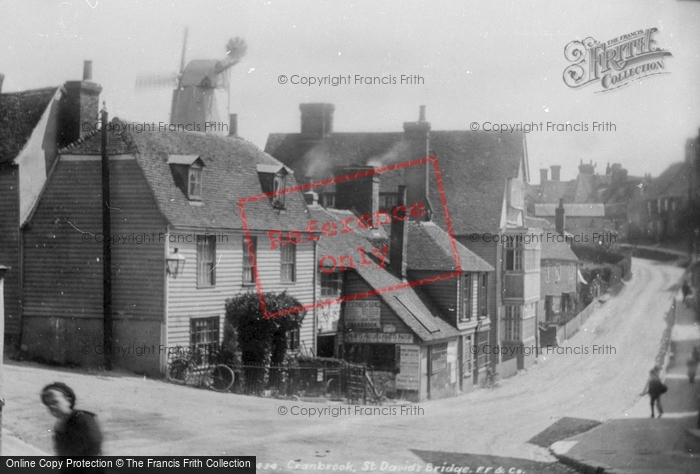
(489, 380)
(190, 370)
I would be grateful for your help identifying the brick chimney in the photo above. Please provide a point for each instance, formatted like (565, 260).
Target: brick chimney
(2, 78)
(316, 121)
(560, 218)
(79, 104)
(360, 194)
(555, 172)
(398, 258)
(543, 175)
(233, 125)
(417, 139)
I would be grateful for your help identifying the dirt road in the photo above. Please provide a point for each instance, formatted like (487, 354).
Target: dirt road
(600, 378)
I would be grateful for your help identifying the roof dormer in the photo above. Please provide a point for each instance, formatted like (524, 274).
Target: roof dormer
(187, 171)
(273, 179)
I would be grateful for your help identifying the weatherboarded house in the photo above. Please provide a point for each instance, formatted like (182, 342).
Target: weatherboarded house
(172, 194)
(33, 125)
(484, 177)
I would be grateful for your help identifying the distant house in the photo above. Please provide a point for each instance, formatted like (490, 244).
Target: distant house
(559, 274)
(417, 340)
(484, 176)
(33, 125)
(661, 210)
(587, 223)
(173, 195)
(614, 189)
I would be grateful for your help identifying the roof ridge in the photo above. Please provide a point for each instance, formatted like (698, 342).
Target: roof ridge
(41, 90)
(79, 141)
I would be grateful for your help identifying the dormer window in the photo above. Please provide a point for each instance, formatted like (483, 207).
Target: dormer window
(278, 185)
(194, 185)
(273, 179)
(187, 172)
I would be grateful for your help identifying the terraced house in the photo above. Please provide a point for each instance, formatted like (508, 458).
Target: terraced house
(484, 177)
(174, 201)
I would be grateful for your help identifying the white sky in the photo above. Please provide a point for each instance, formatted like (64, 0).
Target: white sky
(497, 61)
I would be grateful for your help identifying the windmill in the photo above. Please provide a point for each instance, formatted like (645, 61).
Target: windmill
(194, 98)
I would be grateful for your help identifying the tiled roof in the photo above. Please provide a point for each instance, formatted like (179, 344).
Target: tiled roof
(672, 182)
(571, 210)
(474, 167)
(551, 248)
(19, 114)
(430, 248)
(230, 174)
(378, 278)
(556, 250)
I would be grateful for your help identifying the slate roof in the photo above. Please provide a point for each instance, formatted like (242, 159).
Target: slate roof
(571, 210)
(430, 248)
(378, 278)
(19, 114)
(474, 167)
(230, 173)
(551, 248)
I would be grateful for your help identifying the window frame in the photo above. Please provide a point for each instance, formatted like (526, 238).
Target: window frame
(278, 184)
(248, 264)
(293, 337)
(335, 277)
(514, 253)
(482, 297)
(513, 323)
(467, 298)
(288, 263)
(200, 349)
(206, 269)
(194, 171)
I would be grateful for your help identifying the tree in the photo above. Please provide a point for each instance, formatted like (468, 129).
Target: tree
(256, 340)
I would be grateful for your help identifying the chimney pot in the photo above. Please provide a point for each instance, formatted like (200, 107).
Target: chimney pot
(543, 175)
(233, 125)
(560, 218)
(311, 198)
(2, 78)
(421, 114)
(87, 70)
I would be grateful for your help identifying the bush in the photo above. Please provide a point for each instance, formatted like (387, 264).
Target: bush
(252, 339)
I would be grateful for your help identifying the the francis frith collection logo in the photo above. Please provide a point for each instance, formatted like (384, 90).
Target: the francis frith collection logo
(615, 63)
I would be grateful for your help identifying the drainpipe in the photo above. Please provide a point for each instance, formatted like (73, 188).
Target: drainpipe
(106, 248)
(3, 269)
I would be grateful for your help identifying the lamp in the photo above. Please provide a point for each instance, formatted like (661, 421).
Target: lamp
(175, 264)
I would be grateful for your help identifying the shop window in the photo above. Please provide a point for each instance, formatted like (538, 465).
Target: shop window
(438, 358)
(377, 356)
